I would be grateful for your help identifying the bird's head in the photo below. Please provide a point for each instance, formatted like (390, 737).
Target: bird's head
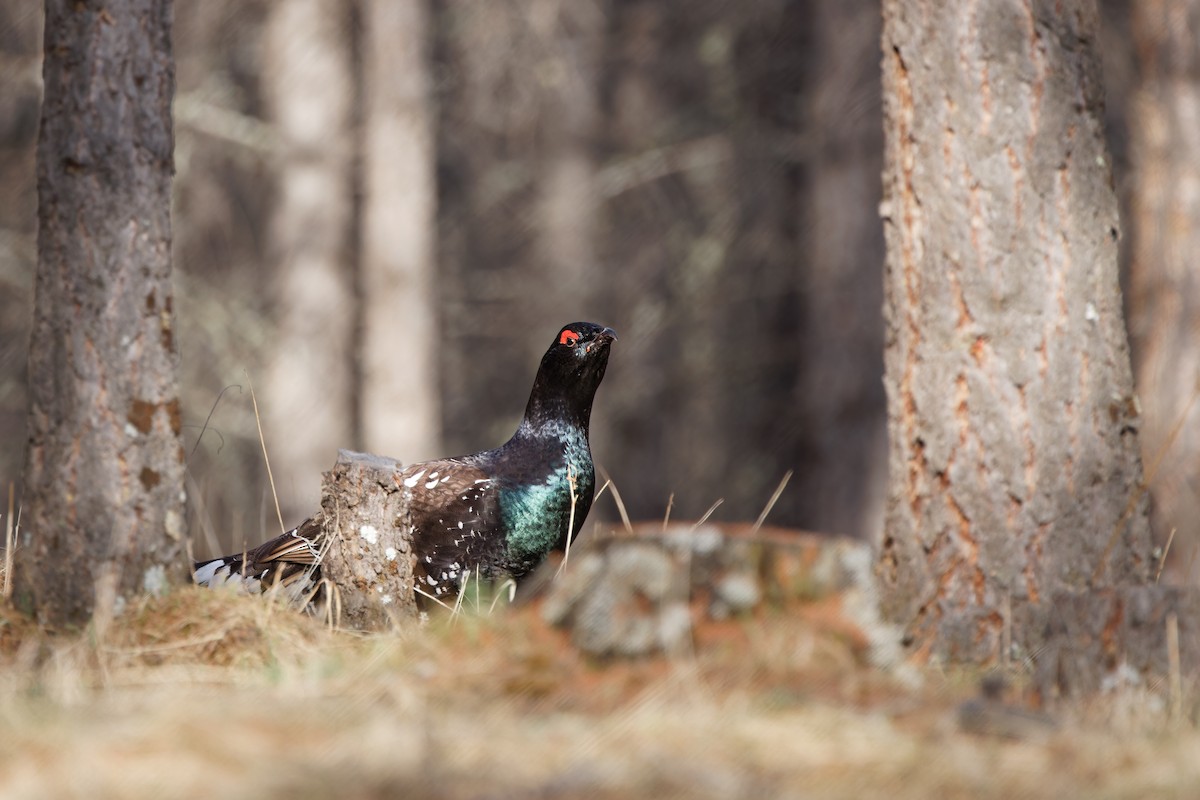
(579, 354)
(573, 367)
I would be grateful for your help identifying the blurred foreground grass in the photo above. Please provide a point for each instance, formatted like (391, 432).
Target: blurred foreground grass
(210, 694)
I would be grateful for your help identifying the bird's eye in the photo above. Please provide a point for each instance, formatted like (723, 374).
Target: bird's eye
(568, 337)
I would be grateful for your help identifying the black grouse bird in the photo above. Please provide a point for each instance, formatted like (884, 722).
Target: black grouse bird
(497, 513)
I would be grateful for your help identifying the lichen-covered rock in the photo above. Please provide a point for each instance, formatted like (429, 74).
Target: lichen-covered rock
(624, 595)
(625, 600)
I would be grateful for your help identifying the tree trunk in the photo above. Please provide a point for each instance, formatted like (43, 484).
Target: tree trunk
(1014, 462)
(517, 214)
(308, 408)
(565, 142)
(401, 403)
(103, 510)
(841, 478)
(1164, 277)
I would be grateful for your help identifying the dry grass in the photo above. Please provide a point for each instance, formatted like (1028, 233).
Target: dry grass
(210, 694)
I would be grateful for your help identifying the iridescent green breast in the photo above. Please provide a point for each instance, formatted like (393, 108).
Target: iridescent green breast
(536, 516)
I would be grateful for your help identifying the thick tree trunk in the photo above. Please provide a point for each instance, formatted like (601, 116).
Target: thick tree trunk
(1014, 462)
(103, 512)
(1164, 275)
(401, 408)
(309, 403)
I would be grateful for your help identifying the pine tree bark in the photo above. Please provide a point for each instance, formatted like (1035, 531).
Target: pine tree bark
(1164, 277)
(1014, 461)
(401, 404)
(309, 407)
(103, 510)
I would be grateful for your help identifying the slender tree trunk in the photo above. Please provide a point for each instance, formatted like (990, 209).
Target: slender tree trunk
(103, 512)
(401, 408)
(309, 403)
(568, 120)
(485, 214)
(841, 475)
(517, 214)
(1164, 275)
(1014, 461)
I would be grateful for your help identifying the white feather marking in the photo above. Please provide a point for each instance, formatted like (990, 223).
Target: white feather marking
(204, 575)
(412, 481)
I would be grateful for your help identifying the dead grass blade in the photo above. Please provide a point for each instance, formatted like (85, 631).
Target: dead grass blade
(1162, 561)
(570, 523)
(266, 459)
(758, 523)
(10, 545)
(1174, 668)
(707, 514)
(197, 496)
(617, 499)
(1147, 479)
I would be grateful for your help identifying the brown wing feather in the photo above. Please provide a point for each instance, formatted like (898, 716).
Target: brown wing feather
(301, 545)
(456, 521)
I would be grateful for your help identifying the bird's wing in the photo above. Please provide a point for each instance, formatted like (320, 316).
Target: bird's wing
(303, 544)
(290, 559)
(456, 521)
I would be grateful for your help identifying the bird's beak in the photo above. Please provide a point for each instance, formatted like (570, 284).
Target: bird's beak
(607, 333)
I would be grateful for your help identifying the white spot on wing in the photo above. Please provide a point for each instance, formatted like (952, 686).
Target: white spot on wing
(412, 481)
(207, 572)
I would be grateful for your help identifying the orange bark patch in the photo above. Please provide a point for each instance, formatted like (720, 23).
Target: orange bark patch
(141, 415)
(149, 478)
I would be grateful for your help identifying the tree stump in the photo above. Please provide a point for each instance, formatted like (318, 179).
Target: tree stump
(369, 557)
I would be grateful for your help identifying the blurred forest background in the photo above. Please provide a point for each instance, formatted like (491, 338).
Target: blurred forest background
(383, 211)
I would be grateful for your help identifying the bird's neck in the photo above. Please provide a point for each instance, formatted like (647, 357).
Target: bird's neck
(560, 426)
(555, 412)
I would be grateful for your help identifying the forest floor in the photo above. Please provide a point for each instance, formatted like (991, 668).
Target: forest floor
(205, 693)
